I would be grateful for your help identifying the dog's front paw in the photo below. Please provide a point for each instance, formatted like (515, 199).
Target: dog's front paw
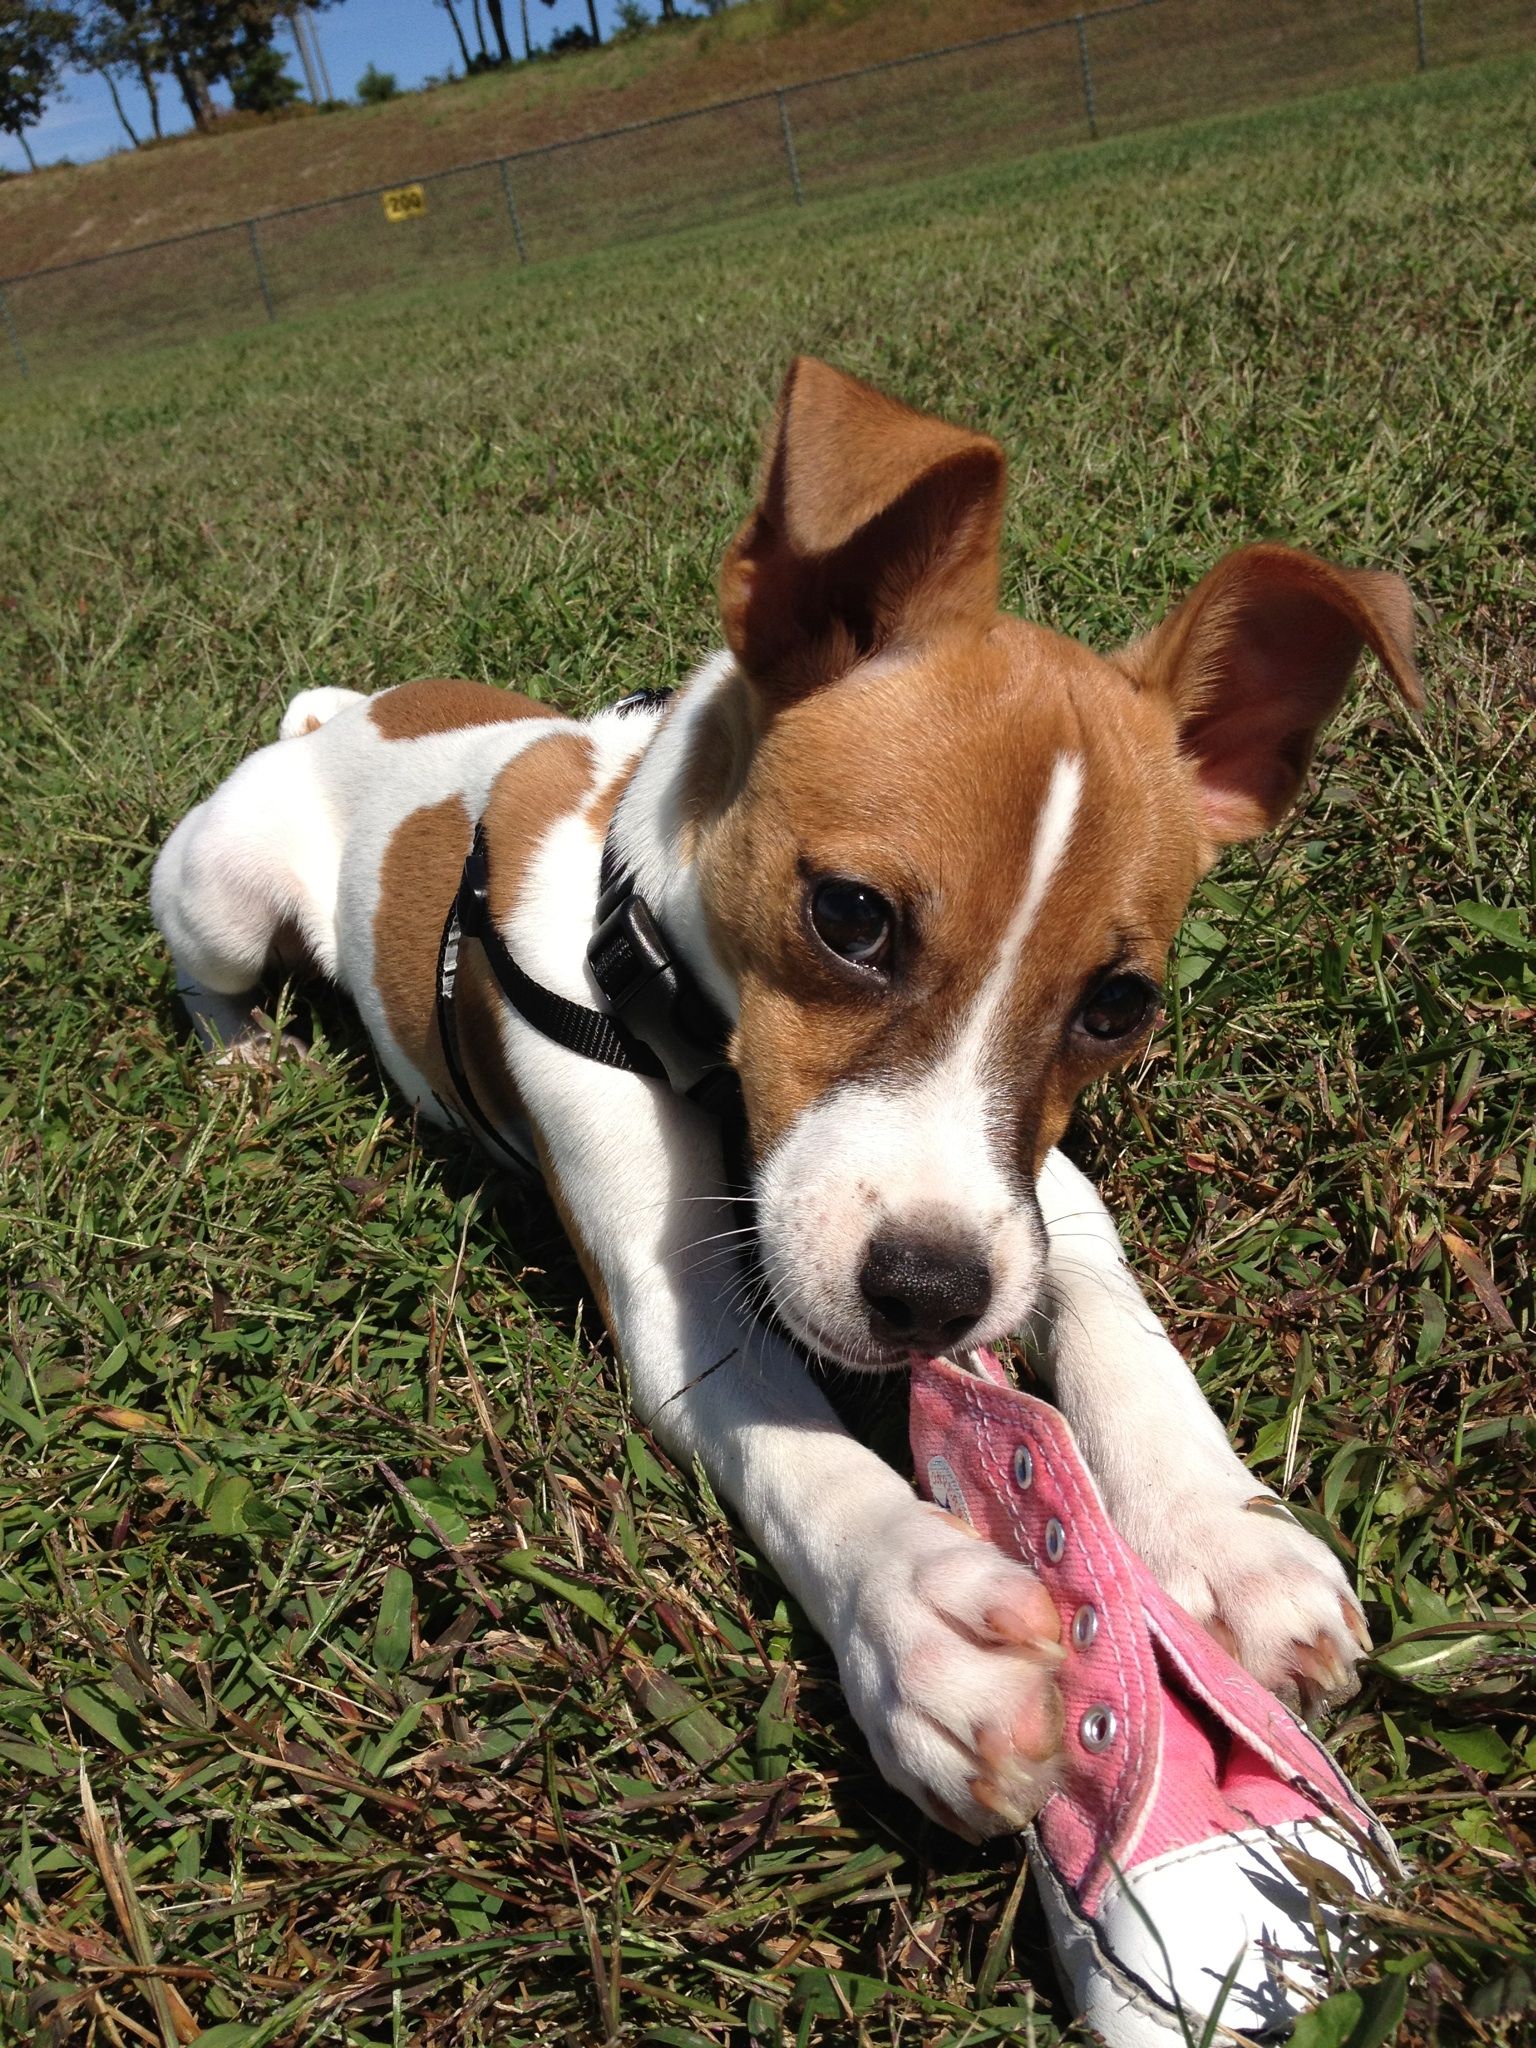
(1271, 1593)
(948, 1660)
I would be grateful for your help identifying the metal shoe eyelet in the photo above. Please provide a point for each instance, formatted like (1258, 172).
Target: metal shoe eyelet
(1055, 1540)
(1097, 1728)
(1085, 1626)
(1023, 1468)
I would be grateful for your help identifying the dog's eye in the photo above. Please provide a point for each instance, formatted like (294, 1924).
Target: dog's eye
(853, 921)
(1118, 1007)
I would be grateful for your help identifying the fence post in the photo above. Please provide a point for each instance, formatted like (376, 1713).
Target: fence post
(1418, 23)
(261, 269)
(789, 149)
(10, 328)
(1087, 70)
(517, 226)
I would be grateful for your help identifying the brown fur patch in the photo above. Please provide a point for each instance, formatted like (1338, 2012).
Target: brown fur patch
(413, 711)
(419, 875)
(891, 727)
(1255, 662)
(537, 787)
(719, 756)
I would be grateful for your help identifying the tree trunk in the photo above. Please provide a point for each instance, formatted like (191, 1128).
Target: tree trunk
(463, 46)
(669, 10)
(147, 80)
(118, 104)
(527, 39)
(485, 55)
(597, 34)
(499, 29)
(26, 147)
(194, 89)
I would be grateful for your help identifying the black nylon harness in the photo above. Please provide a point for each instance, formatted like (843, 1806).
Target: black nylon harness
(658, 1022)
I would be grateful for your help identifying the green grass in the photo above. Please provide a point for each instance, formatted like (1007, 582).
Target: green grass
(350, 1692)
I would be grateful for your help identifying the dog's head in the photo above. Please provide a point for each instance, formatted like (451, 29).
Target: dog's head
(943, 852)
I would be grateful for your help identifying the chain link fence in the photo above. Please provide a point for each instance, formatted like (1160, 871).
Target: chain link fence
(1086, 75)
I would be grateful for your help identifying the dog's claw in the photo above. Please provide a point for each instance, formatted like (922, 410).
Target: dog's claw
(1355, 1622)
(1325, 1671)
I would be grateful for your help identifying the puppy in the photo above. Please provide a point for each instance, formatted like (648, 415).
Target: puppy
(921, 862)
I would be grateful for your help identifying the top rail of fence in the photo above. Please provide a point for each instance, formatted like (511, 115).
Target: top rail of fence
(540, 149)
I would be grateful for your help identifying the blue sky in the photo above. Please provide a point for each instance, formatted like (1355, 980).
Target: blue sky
(412, 38)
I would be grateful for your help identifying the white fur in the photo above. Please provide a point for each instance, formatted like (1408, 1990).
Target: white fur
(297, 834)
(920, 1156)
(650, 827)
(1053, 836)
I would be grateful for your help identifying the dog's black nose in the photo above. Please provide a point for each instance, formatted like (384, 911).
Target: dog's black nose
(927, 1296)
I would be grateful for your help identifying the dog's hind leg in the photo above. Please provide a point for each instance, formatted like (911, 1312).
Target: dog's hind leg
(311, 708)
(245, 890)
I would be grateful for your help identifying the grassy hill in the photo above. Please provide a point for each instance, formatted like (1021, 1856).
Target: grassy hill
(1174, 59)
(202, 181)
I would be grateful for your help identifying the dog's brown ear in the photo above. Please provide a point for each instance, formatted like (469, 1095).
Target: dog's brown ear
(1255, 661)
(874, 526)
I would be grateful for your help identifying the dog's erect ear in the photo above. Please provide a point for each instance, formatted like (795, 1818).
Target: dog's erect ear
(874, 526)
(1254, 662)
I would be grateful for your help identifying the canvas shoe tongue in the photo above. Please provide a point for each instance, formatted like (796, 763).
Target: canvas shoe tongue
(1201, 1837)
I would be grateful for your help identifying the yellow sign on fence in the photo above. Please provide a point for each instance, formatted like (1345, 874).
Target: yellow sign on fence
(405, 202)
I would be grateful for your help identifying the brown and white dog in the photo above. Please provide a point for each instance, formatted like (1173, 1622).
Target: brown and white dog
(927, 859)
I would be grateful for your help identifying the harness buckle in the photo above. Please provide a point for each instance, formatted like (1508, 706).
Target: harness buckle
(632, 965)
(475, 887)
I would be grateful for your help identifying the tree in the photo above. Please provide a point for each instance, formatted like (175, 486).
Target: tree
(209, 42)
(36, 42)
(116, 37)
(200, 42)
(499, 30)
(595, 38)
(260, 83)
(140, 42)
(458, 31)
(376, 86)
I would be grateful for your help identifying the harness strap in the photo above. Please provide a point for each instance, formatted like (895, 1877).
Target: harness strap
(659, 1022)
(588, 1032)
(448, 1038)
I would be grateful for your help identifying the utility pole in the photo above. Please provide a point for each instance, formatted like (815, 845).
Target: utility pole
(314, 36)
(296, 23)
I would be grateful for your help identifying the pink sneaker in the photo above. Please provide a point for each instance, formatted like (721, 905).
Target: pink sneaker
(1197, 1860)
